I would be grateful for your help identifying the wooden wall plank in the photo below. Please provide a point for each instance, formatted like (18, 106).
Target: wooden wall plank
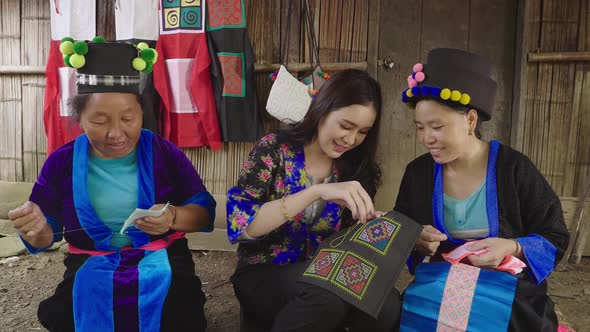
(10, 93)
(499, 15)
(36, 33)
(397, 132)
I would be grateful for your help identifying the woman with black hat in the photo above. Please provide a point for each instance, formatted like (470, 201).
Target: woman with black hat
(141, 278)
(467, 189)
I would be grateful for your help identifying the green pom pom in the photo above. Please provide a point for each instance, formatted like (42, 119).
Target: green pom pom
(138, 64)
(70, 39)
(80, 48)
(148, 55)
(148, 68)
(67, 60)
(77, 60)
(155, 55)
(66, 47)
(142, 46)
(98, 39)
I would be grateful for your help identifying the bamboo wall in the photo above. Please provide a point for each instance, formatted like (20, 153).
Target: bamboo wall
(552, 100)
(552, 125)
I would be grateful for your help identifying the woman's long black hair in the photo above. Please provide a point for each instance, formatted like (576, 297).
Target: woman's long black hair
(344, 88)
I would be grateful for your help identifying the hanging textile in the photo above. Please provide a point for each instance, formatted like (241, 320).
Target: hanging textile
(188, 116)
(69, 18)
(232, 71)
(137, 21)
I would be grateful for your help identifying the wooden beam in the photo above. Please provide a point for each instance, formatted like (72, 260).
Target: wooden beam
(21, 70)
(559, 57)
(299, 67)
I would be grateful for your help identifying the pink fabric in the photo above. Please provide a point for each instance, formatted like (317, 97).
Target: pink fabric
(152, 246)
(457, 298)
(510, 264)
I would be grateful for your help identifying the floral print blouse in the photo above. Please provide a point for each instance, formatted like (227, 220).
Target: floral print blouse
(272, 171)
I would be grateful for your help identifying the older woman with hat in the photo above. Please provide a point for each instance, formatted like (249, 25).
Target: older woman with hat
(466, 189)
(141, 278)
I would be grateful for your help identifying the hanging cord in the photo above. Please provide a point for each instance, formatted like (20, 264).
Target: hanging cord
(286, 47)
(62, 233)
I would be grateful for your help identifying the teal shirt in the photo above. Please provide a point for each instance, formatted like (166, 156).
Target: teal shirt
(112, 187)
(467, 218)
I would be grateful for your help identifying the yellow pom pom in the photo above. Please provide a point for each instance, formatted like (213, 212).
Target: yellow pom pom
(409, 93)
(155, 56)
(445, 94)
(465, 99)
(66, 48)
(77, 60)
(142, 46)
(455, 95)
(139, 64)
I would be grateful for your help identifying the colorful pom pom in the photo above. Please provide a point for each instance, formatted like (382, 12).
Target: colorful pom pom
(416, 91)
(409, 93)
(418, 67)
(313, 93)
(325, 76)
(142, 46)
(148, 55)
(465, 99)
(426, 90)
(419, 76)
(98, 39)
(149, 68)
(455, 95)
(77, 60)
(435, 91)
(445, 94)
(138, 64)
(412, 83)
(405, 98)
(155, 55)
(80, 48)
(64, 39)
(66, 47)
(67, 61)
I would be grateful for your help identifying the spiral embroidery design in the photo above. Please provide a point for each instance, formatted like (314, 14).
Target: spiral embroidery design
(182, 16)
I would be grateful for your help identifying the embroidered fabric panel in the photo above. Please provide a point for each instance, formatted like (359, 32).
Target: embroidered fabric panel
(233, 67)
(354, 274)
(182, 16)
(457, 298)
(323, 264)
(226, 14)
(378, 235)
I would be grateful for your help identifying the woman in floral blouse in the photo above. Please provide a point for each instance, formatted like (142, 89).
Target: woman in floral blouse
(297, 187)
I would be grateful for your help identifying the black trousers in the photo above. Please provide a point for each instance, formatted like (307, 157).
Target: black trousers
(183, 307)
(272, 299)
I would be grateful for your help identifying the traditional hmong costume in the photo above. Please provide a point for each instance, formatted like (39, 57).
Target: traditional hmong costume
(266, 281)
(148, 285)
(517, 202)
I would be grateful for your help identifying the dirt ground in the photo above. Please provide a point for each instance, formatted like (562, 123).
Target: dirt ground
(23, 284)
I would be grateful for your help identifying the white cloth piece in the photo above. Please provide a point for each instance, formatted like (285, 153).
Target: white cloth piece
(73, 18)
(137, 19)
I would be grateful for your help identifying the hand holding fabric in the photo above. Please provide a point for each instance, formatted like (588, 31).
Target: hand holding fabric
(429, 240)
(157, 225)
(497, 250)
(351, 195)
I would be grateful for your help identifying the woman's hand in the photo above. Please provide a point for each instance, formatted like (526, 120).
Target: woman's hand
(28, 219)
(157, 225)
(429, 240)
(351, 195)
(497, 248)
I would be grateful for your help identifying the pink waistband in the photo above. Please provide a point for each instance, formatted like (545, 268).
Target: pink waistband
(152, 246)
